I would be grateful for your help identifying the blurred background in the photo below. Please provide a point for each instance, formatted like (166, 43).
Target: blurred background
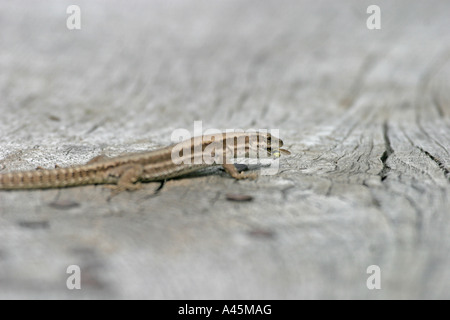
(341, 94)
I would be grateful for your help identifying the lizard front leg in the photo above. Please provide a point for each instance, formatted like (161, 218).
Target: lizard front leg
(232, 171)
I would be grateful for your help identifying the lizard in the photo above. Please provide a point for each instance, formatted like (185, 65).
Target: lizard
(126, 172)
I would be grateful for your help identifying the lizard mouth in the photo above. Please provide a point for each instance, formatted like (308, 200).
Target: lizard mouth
(285, 152)
(278, 152)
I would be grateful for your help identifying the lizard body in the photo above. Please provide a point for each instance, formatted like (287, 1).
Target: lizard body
(127, 171)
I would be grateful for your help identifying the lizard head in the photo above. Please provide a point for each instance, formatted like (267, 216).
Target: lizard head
(271, 144)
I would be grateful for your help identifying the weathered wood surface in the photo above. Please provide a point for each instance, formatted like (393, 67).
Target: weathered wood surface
(366, 114)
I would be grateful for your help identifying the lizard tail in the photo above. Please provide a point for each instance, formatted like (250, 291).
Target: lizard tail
(44, 179)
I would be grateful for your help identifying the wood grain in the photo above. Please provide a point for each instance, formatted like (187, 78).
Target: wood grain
(365, 113)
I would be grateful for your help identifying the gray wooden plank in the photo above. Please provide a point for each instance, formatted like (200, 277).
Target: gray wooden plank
(365, 114)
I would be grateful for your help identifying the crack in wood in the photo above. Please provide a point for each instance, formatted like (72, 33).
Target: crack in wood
(439, 163)
(387, 152)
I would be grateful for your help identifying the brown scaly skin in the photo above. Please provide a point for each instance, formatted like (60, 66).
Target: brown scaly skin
(127, 171)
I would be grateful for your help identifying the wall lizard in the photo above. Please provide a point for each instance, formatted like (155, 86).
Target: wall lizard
(129, 170)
